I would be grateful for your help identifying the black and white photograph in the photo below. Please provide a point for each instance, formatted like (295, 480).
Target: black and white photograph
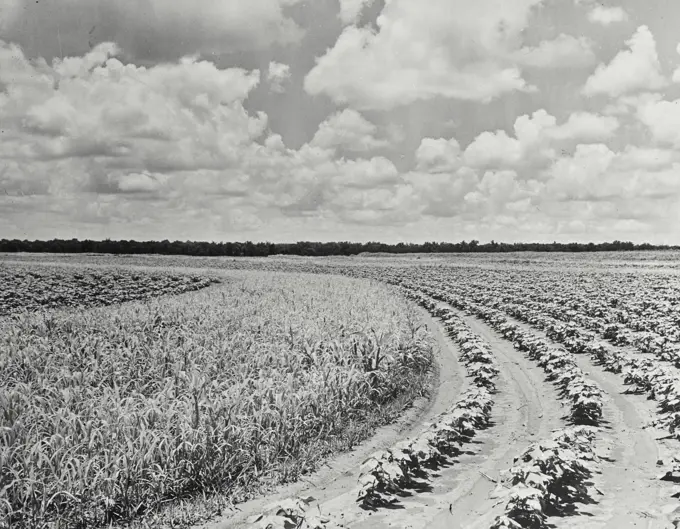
(339, 264)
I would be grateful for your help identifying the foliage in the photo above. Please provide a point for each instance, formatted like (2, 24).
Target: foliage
(35, 287)
(547, 476)
(263, 249)
(108, 413)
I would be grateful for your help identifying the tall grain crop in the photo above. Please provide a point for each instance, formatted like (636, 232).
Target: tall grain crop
(105, 414)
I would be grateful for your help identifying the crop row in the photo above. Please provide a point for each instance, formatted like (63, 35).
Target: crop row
(647, 319)
(550, 474)
(663, 344)
(386, 474)
(586, 397)
(641, 374)
(547, 476)
(35, 287)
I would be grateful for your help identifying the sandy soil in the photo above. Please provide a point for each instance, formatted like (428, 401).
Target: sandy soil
(633, 496)
(464, 494)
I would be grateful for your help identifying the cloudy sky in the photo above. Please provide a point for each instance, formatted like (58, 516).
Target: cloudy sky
(392, 120)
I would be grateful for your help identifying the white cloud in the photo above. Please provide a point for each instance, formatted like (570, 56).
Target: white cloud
(586, 126)
(646, 157)
(452, 49)
(663, 120)
(676, 73)
(277, 75)
(536, 137)
(494, 148)
(443, 194)
(632, 70)
(350, 10)
(348, 130)
(565, 51)
(438, 155)
(580, 177)
(99, 145)
(168, 117)
(607, 15)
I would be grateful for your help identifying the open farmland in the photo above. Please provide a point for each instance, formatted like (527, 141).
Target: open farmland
(557, 402)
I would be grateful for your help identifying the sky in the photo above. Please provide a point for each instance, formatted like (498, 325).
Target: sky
(389, 120)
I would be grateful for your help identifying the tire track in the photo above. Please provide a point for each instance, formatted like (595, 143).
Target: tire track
(633, 495)
(464, 496)
(527, 409)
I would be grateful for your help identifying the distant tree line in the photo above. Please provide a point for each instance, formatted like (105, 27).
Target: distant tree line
(263, 249)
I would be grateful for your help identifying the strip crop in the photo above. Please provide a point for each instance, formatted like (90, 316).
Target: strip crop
(547, 476)
(109, 413)
(35, 287)
(387, 474)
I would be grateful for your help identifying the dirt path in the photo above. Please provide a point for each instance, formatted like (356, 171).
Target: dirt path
(339, 475)
(527, 409)
(633, 496)
(462, 495)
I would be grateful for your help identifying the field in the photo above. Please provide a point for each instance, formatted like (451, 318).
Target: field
(554, 400)
(27, 288)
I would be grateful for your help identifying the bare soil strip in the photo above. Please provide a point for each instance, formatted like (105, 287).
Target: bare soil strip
(464, 494)
(635, 497)
(527, 409)
(339, 475)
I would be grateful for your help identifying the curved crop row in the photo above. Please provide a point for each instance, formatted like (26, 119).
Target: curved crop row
(386, 474)
(643, 375)
(33, 287)
(586, 397)
(547, 476)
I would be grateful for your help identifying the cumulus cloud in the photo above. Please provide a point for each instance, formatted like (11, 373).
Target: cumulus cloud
(586, 126)
(676, 73)
(277, 75)
(350, 10)
(607, 15)
(349, 130)
(177, 135)
(662, 118)
(171, 116)
(631, 70)
(98, 144)
(438, 155)
(536, 138)
(494, 148)
(565, 51)
(452, 49)
(580, 177)
(122, 135)
(636, 189)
